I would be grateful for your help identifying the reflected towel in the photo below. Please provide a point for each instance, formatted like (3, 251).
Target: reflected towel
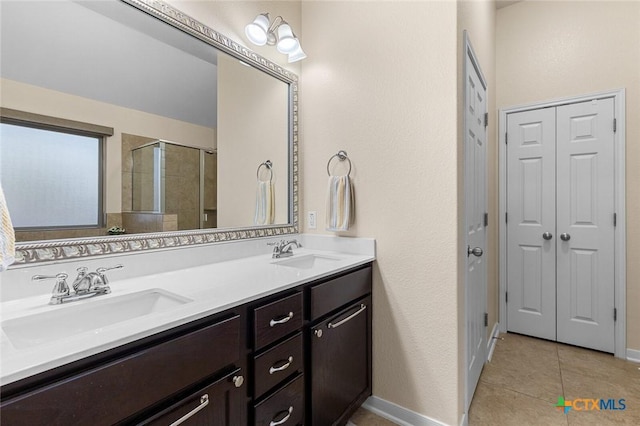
(7, 235)
(265, 204)
(340, 204)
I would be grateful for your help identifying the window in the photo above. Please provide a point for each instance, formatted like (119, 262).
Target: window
(52, 176)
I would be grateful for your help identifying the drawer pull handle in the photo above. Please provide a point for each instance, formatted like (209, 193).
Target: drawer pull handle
(284, 419)
(281, 320)
(349, 318)
(204, 401)
(282, 367)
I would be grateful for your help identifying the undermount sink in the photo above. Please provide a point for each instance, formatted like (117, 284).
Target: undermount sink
(84, 316)
(306, 261)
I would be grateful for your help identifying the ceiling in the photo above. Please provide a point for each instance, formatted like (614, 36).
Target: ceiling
(77, 48)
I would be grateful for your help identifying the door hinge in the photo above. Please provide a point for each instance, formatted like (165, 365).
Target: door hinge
(486, 219)
(615, 314)
(506, 138)
(615, 125)
(506, 297)
(486, 319)
(506, 217)
(615, 219)
(486, 119)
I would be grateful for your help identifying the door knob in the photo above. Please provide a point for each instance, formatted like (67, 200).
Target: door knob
(547, 235)
(565, 237)
(477, 251)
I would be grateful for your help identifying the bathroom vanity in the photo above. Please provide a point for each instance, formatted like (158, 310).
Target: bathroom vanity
(299, 354)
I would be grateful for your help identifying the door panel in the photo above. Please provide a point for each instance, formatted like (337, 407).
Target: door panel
(585, 200)
(475, 208)
(531, 180)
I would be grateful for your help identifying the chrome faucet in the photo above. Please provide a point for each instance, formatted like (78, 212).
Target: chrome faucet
(284, 248)
(86, 284)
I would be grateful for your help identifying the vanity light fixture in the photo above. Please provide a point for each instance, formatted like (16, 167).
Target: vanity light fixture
(277, 33)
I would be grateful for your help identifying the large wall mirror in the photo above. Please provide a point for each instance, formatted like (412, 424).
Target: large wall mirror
(127, 125)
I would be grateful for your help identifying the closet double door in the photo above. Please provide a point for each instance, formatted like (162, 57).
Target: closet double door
(560, 223)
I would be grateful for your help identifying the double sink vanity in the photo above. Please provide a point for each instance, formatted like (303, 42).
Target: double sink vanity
(250, 339)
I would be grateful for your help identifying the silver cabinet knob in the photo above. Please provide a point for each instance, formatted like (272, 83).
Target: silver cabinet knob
(238, 381)
(318, 333)
(476, 251)
(547, 235)
(565, 237)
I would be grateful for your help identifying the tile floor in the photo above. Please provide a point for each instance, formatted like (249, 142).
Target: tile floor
(522, 383)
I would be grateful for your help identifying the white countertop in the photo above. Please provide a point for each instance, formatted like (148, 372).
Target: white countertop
(213, 288)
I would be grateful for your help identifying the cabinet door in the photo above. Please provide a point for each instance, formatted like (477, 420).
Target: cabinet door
(340, 363)
(222, 403)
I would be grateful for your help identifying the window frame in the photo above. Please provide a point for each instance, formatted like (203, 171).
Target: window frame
(78, 128)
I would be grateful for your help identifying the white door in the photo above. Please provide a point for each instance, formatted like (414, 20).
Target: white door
(531, 222)
(475, 207)
(585, 202)
(560, 227)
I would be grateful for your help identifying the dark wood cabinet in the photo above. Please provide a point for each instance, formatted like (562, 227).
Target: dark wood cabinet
(340, 360)
(298, 357)
(338, 347)
(221, 403)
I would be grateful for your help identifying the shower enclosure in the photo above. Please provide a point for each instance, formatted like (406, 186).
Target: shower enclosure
(175, 179)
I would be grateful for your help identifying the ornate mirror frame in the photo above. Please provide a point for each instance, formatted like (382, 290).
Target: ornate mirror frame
(33, 253)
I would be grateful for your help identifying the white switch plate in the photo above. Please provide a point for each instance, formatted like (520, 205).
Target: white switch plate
(311, 220)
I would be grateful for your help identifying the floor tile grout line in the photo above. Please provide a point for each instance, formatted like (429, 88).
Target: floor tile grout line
(566, 417)
(518, 392)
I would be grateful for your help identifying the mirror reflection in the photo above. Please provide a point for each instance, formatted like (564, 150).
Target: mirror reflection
(187, 126)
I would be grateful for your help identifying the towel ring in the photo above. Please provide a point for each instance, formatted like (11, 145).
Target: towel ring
(341, 155)
(269, 165)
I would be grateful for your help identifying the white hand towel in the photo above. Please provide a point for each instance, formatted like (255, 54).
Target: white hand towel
(265, 203)
(7, 235)
(340, 204)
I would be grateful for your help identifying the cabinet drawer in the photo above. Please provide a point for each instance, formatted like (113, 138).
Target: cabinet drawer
(221, 403)
(333, 294)
(285, 407)
(278, 363)
(125, 386)
(277, 319)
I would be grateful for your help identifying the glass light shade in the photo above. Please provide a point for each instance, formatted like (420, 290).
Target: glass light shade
(256, 31)
(297, 55)
(287, 42)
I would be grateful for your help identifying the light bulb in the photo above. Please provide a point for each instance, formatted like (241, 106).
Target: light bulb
(256, 31)
(297, 55)
(287, 43)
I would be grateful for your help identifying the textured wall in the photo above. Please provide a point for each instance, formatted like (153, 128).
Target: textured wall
(380, 83)
(547, 50)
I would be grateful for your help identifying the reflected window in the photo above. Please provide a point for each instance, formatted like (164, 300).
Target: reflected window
(51, 177)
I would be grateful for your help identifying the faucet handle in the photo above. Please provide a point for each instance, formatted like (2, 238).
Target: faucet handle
(102, 272)
(59, 276)
(60, 288)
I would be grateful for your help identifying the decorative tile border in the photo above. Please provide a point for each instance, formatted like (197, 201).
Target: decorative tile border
(46, 251)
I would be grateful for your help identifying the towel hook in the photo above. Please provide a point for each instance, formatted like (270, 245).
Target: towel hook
(341, 155)
(269, 165)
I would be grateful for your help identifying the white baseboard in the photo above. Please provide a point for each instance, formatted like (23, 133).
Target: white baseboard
(491, 344)
(397, 414)
(633, 355)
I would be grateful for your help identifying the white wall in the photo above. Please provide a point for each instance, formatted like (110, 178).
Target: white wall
(380, 83)
(251, 130)
(548, 50)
